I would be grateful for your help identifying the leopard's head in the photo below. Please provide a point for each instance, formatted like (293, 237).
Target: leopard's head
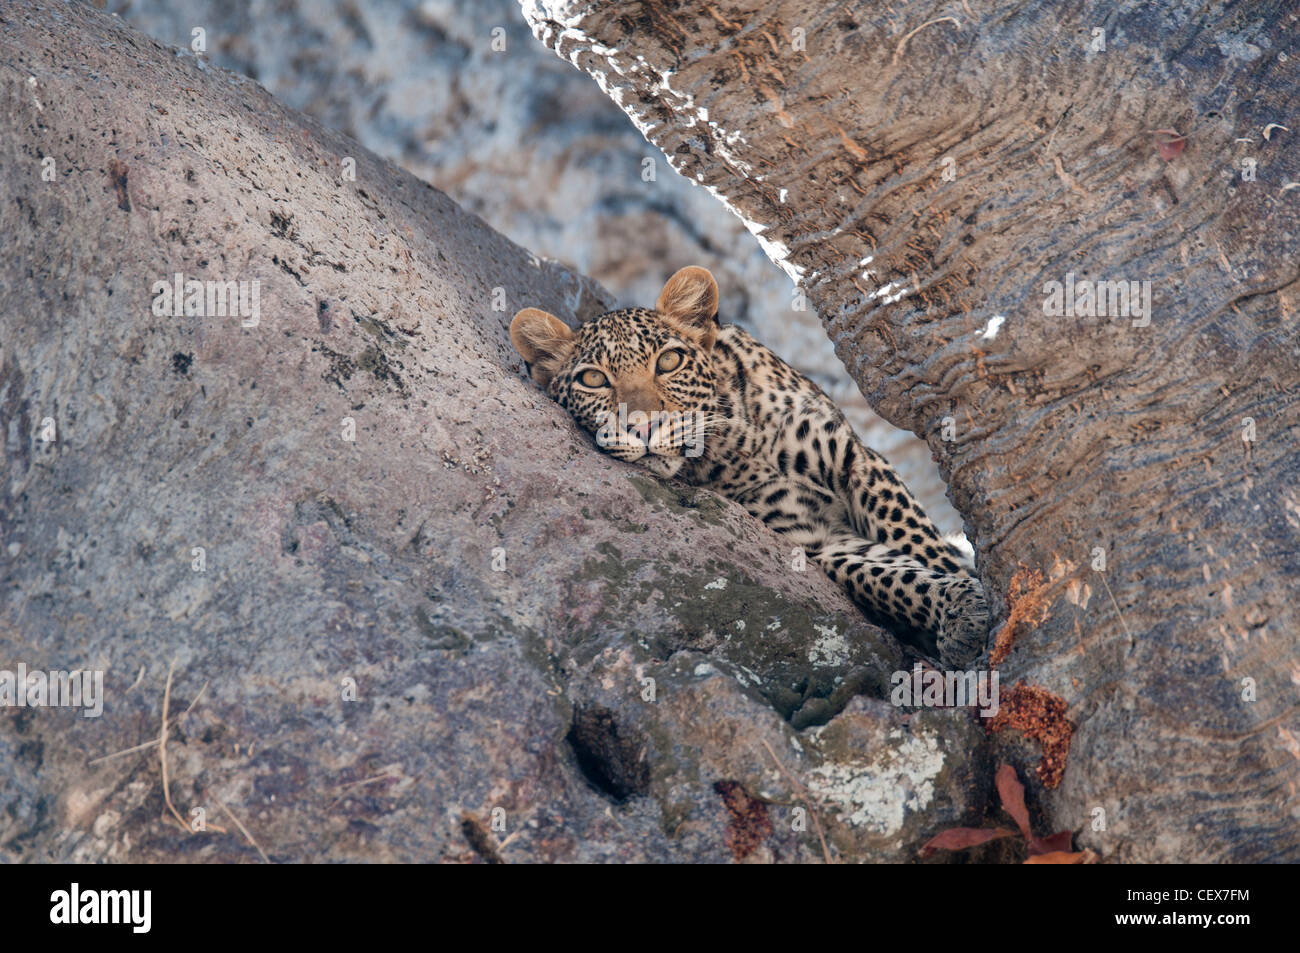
(640, 381)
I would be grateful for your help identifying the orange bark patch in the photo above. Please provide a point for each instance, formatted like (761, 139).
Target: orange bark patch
(749, 824)
(1040, 716)
(1027, 604)
(853, 148)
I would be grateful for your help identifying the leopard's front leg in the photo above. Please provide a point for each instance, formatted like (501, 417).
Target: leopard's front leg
(894, 587)
(894, 562)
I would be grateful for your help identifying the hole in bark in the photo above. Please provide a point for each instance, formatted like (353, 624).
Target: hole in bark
(611, 761)
(479, 838)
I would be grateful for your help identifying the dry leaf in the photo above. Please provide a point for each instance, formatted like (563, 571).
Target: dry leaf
(1064, 857)
(1051, 845)
(1042, 850)
(1170, 143)
(1012, 793)
(959, 838)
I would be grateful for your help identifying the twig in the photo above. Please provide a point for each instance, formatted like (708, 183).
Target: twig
(152, 742)
(799, 785)
(898, 53)
(509, 837)
(162, 747)
(138, 679)
(242, 828)
(519, 829)
(382, 776)
(1116, 605)
(124, 751)
(196, 698)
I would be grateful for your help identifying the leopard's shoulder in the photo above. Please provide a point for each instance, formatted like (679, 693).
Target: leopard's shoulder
(770, 392)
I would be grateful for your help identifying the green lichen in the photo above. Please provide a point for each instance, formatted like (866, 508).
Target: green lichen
(678, 498)
(673, 815)
(376, 363)
(378, 329)
(766, 640)
(450, 638)
(446, 638)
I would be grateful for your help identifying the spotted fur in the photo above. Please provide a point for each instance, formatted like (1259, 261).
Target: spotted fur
(708, 404)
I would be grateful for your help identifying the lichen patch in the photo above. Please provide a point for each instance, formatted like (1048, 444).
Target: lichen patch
(876, 796)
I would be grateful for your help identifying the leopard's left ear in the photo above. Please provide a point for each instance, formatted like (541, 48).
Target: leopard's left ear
(543, 341)
(690, 299)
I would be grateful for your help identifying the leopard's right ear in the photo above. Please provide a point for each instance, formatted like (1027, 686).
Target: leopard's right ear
(543, 341)
(690, 300)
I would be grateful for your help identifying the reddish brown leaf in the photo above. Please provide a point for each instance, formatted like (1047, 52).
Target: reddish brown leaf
(959, 838)
(1051, 845)
(1012, 793)
(1064, 857)
(1170, 143)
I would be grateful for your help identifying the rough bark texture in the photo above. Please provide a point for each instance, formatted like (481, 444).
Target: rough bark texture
(1173, 447)
(644, 679)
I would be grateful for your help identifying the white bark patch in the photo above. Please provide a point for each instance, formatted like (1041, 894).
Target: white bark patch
(831, 648)
(876, 795)
(887, 295)
(991, 329)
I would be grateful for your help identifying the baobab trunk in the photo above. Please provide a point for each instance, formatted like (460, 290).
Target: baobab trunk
(1059, 241)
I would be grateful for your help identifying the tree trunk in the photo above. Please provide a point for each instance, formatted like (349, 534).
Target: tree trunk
(390, 602)
(931, 175)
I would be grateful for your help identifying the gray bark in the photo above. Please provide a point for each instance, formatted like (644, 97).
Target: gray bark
(644, 679)
(1170, 446)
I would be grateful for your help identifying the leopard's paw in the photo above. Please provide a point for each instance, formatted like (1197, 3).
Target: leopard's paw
(964, 628)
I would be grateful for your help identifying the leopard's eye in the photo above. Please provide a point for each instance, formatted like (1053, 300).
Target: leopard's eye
(593, 378)
(669, 361)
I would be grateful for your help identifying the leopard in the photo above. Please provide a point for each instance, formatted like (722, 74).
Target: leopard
(679, 393)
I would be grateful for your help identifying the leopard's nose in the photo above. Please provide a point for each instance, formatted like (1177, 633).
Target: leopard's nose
(642, 431)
